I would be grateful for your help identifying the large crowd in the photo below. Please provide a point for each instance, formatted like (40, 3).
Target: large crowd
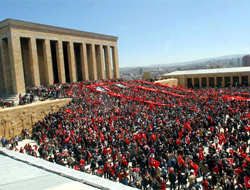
(149, 136)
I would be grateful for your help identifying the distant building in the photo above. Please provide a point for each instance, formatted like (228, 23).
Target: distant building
(224, 77)
(238, 61)
(140, 71)
(246, 61)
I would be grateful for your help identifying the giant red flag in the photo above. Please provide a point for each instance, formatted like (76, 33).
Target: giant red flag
(153, 162)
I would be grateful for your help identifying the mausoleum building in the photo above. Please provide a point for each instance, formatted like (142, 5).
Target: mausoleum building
(34, 54)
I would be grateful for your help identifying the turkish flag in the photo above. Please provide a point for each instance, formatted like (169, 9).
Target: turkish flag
(102, 137)
(117, 111)
(124, 161)
(82, 162)
(67, 111)
(247, 128)
(247, 182)
(181, 161)
(153, 137)
(238, 171)
(181, 133)
(99, 171)
(188, 141)
(231, 152)
(230, 161)
(90, 155)
(246, 156)
(150, 126)
(127, 141)
(66, 140)
(201, 156)
(59, 126)
(136, 169)
(76, 167)
(187, 125)
(194, 166)
(178, 141)
(153, 162)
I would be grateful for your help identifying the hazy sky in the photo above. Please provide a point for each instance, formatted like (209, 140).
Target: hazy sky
(150, 32)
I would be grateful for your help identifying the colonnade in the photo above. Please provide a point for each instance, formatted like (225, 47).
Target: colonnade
(34, 61)
(217, 81)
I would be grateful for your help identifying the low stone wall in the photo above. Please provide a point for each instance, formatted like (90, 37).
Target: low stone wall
(14, 120)
(169, 82)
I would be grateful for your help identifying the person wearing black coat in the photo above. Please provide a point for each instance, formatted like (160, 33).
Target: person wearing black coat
(172, 179)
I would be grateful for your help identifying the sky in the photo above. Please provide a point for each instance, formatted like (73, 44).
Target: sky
(150, 32)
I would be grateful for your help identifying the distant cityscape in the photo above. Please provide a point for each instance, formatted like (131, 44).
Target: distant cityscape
(157, 71)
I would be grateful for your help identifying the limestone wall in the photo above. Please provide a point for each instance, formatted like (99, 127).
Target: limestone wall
(169, 82)
(13, 120)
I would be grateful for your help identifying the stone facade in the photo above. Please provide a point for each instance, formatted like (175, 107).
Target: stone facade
(34, 54)
(169, 82)
(212, 78)
(14, 120)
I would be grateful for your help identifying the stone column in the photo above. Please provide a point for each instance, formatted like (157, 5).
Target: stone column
(92, 62)
(17, 74)
(60, 62)
(215, 81)
(84, 62)
(100, 62)
(35, 77)
(7, 84)
(72, 62)
(2, 85)
(223, 81)
(200, 85)
(192, 81)
(207, 81)
(240, 80)
(231, 80)
(107, 62)
(48, 62)
(116, 70)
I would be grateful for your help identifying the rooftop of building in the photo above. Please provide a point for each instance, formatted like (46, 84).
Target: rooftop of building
(24, 172)
(12, 23)
(210, 71)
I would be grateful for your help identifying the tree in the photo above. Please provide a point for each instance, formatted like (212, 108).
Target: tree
(146, 76)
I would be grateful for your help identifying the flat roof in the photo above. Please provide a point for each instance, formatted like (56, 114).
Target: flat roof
(12, 23)
(24, 172)
(19, 175)
(210, 71)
